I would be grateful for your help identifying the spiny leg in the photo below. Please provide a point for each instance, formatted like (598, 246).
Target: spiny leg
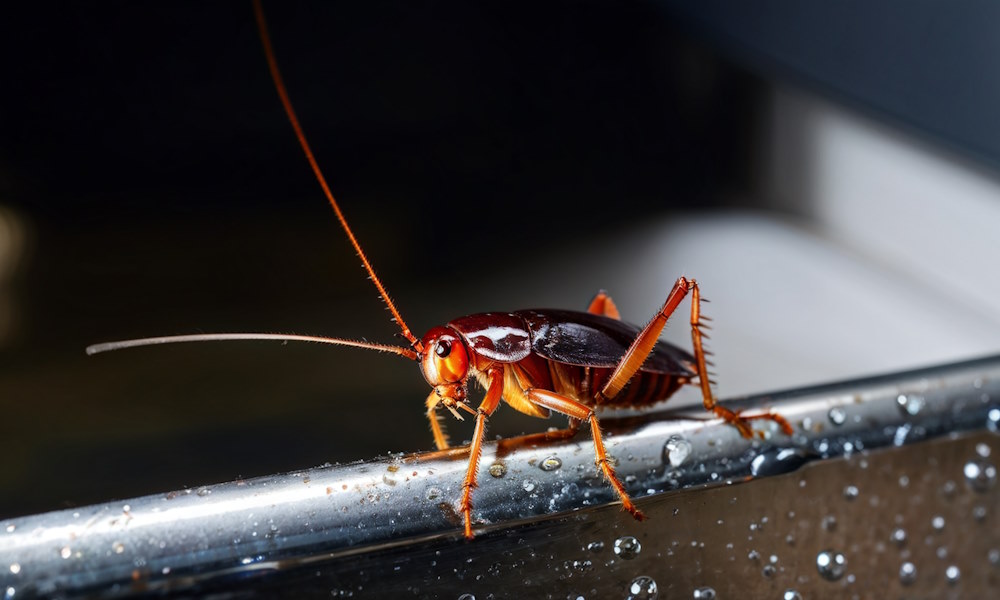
(582, 412)
(730, 416)
(602, 304)
(489, 404)
(440, 437)
(646, 340)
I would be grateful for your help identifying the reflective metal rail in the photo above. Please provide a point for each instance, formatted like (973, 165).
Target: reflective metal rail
(726, 513)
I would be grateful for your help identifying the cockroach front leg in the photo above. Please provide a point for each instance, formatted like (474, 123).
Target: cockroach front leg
(494, 391)
(582, 412)
(440, 437)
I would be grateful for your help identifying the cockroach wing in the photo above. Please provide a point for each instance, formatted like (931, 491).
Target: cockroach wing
(589, 340)
(502, 337)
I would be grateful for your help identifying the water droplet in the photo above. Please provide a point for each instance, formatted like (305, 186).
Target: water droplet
(952, 574)
(550, 464)
(528, 485)
(980, 475)
(467, 597)
(11, 528)
(993, 420)
(768, 571)
(676, 450)
(907, 573)
(983, 450)
(791, 594)
(898, 536)
(704, 593)
(837, 415)
(831, 564)
(627, 547)
(433, 493)
(904, 481)
(910, 404)
(851, 492)
(993, 556)
(15, 568)
(829, 523)
(204, 492)
(937, 522)
(65, 552)
(979, 513)
(595, 547)
(498, 470)
(776, 462)
(642, 588)
(118, 547)
(899, 437)
(9, 593)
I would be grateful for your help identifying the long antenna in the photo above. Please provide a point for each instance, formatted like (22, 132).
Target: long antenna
(220, 337)
(272, 63)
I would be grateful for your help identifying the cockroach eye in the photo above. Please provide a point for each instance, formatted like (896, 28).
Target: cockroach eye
(443, 348)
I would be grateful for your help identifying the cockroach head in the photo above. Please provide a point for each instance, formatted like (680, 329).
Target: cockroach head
(445, 359)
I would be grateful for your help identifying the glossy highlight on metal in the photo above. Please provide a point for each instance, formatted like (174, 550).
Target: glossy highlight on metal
(182, 539)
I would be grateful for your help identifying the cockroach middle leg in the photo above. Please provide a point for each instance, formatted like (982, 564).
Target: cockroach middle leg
(582, 412)
(602, 304)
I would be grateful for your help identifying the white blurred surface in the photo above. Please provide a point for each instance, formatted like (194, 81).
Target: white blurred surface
(889, 267)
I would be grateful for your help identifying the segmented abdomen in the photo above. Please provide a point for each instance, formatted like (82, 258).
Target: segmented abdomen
(645, 387)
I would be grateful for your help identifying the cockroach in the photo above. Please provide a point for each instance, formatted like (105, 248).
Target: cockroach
(538, 361)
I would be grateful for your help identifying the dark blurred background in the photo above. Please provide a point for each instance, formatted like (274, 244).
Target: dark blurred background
(150, 184)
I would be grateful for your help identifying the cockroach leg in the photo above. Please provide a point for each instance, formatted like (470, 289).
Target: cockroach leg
(489, 404)
(730, 416)
(602, 304)
(564, 434)
(643, 344)
(582, 412)
(440, 437)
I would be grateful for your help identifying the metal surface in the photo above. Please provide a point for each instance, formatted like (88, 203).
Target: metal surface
(546, 526)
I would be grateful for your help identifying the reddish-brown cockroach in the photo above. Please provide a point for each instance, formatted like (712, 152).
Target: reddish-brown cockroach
(537, 361)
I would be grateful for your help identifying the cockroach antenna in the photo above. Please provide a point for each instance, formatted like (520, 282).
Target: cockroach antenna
(226, 337)
(397, 318)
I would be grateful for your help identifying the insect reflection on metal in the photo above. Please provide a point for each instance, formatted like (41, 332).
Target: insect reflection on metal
(537, 361)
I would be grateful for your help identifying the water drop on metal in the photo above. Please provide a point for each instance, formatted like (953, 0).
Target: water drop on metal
(907, 573)
(837, 415)
(776, 462)
(831, 564)
(642, 588)
(980, 475)
(676, 450)
(952, 574)
(898, 536)
(627, 547)
(550, 464)
(910, 404)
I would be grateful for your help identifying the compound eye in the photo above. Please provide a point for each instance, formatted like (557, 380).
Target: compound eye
(452, 361)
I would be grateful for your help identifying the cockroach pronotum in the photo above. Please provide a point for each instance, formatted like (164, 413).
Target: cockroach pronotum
(537, 361)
